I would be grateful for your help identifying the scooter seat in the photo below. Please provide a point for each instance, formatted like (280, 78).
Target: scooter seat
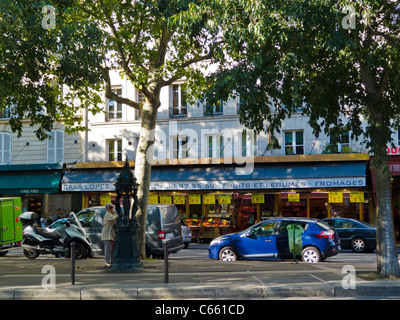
(44, 233)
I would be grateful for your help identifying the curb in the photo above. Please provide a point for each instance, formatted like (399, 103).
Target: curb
(200, 291)
(182, 291)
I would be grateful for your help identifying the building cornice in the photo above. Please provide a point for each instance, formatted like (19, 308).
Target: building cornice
(238, 160)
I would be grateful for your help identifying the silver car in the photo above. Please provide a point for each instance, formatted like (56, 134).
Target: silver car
(186, 234)
(160, 217)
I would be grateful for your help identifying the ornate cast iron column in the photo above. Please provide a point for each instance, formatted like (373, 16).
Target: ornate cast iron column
(126, 253)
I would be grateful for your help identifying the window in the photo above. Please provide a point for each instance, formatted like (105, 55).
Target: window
(86, 218)
(215, 146)
(6, 112)
(5, 148)
(294, 142)
(114, 150)
(344, 142)
(342, 146)
(284, 224)
(114, 109)
(265, 229)
(180, 147)
(297, 105)
(248, 143)
(55, 146)
(214, 109)
(398, 137)
(179, 104)
(239, 104)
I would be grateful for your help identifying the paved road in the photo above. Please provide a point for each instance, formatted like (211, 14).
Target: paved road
(187, 265)
(191, 274)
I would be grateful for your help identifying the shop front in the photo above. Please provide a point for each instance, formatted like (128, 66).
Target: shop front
(36, 184)
(394, 168)
(215, 200)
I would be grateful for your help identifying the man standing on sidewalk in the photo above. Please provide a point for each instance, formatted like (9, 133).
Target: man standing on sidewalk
(108, 233)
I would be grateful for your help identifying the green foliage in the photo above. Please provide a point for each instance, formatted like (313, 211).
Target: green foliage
(339, 60)
(36, 61)
(297, 53)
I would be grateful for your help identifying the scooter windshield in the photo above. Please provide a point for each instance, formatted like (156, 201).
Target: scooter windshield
(76, 221)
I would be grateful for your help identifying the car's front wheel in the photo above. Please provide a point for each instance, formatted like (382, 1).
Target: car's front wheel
(228, 254)
(358, 245)
(311, 255)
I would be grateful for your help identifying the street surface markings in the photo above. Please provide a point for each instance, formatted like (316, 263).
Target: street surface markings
(318, 278)
(260, 281)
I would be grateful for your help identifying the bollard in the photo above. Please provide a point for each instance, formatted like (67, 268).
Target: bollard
(72, 263)
(165, 261)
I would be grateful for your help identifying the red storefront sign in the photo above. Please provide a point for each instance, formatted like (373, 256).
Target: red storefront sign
(393, 150)
(394, 160)
(394, 168)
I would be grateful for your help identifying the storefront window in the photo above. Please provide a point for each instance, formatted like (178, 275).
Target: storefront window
(293, 204)
(367, 213)
(251, 208)
(246, 211)
(267, 209)
(100, 199)
(218, 209)
(345, 209)
(318, 205)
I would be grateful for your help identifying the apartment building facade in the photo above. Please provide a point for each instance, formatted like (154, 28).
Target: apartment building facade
(32, 169)
(218, 173)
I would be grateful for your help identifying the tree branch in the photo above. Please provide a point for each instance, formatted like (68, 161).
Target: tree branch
(185, 65)
(385, 78)
(113, 96)
(124, 60)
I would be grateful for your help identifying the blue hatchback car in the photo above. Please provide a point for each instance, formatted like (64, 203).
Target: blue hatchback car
(269, 240)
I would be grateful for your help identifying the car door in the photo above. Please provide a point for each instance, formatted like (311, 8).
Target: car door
(282, 238)
(259, 242)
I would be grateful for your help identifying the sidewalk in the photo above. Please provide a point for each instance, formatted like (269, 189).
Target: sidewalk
(190, 279)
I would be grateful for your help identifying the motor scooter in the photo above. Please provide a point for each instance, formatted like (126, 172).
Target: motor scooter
(37, 240)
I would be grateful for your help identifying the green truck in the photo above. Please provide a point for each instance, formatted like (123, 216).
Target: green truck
(10, 224)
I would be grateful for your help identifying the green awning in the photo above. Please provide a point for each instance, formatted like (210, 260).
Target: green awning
(30, 179)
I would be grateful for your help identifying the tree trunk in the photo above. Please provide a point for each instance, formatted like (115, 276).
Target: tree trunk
(387, 258)
(143, 168)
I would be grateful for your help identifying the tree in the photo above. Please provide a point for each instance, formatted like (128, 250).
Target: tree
(152, 43)
(37, 58)
(76, 43)
(332, 58)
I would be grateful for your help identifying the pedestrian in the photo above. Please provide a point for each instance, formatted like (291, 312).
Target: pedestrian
(335, 215)
(240, 220)
(43, 221)
(251, 220)
(57, 215)
(108, 233)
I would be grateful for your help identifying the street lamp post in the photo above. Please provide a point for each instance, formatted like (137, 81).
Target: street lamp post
(126, 253)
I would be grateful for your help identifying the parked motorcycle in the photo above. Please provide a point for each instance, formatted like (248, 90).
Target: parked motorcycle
(37, 240)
